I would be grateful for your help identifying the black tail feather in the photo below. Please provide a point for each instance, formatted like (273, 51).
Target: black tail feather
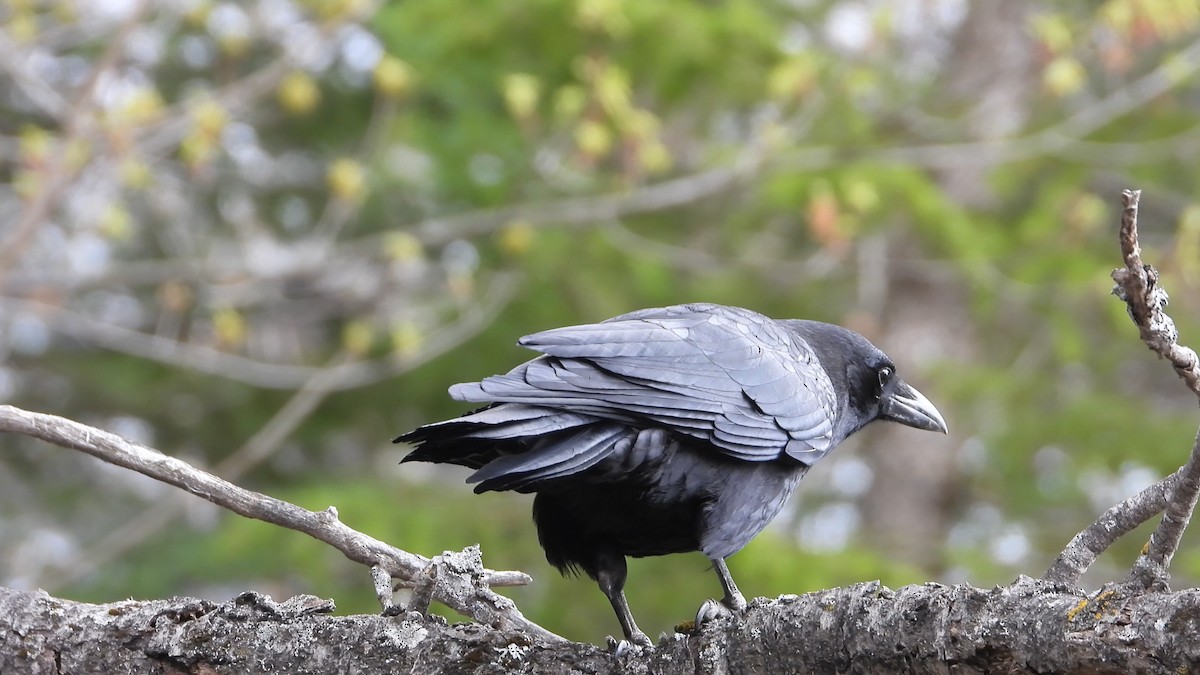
(563, 453)
(494, 432)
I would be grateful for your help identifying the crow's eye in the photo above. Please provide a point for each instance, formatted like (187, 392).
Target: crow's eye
(885, 376)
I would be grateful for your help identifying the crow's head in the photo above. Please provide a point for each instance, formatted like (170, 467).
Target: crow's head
(865, 380)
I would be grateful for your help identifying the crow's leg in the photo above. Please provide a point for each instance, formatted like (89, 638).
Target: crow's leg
(732, 602)
(610, 574)
(733, 597)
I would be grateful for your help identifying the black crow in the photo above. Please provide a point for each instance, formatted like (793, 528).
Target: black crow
(667, 430)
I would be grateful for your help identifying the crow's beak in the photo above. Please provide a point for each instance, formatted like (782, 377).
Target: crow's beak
(908, 406)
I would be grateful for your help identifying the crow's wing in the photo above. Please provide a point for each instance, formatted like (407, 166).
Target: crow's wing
(726, 375)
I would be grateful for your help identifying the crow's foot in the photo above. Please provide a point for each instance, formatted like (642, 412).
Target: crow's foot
(711, 610)
(620, 648)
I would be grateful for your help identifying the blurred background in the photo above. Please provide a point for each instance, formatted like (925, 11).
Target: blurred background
(266, 236)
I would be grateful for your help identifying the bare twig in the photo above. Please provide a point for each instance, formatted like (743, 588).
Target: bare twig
(1137, 284)
(1151, 568)
(382, 581)
(462, 582)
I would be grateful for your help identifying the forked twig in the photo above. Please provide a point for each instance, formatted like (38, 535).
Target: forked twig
(1138, 285)
(1119, 520)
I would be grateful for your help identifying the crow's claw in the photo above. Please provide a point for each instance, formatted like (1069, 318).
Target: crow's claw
(619, 648)
(711, 610)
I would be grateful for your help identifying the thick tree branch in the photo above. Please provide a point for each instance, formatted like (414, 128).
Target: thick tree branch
(462, 582)
(1137, 284)
(867, 628)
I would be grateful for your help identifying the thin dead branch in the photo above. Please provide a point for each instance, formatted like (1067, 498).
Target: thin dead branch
(462, 583)
(1138, 285)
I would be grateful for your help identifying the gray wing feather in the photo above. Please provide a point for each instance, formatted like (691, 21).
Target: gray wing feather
(730, 376)
(516, 422)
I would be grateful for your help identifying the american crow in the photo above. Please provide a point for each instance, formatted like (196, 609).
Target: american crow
(667, 430)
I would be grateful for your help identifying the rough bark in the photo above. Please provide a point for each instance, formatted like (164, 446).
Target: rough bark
(1029, 627)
